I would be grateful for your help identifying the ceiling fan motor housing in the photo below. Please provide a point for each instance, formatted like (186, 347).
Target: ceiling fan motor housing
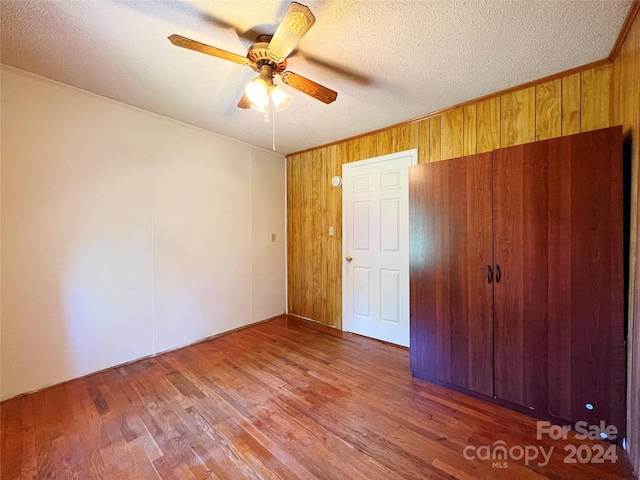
(258, 54)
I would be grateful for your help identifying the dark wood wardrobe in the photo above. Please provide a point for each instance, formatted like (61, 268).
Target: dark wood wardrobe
(516, 271)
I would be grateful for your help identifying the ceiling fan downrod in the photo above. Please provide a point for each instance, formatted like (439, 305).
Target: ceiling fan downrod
(266, 72)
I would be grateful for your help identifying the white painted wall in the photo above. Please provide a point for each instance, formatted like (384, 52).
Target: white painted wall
(268, 175)
(125, 234)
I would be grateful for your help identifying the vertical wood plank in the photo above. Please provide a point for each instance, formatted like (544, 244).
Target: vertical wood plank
(348, 153)
(326, 220)
(368, 147)
(334, 245)
(352, 151)
(548, 109)
(302, 251)
(517, 117)
(470, 130)
(616, 77)
(293, 225)
(306, 234)
(434, 139)
(384, 141)
(596, 98)
(317, 241)
(290, 226)
(451, 134)
(341, 154)
(571, 104)
(488, 115)
(407, 138)
(423, 141)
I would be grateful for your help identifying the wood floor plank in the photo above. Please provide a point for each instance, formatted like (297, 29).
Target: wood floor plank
(284, 399)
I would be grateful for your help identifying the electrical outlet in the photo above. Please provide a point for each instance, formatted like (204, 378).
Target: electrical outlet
(330, 230)
(273, 238)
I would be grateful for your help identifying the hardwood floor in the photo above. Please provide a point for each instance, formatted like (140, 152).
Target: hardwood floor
(282, 399)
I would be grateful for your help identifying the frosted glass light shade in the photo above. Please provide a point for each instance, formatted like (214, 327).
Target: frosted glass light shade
(261, 107)
(257, 91)
(280, 98)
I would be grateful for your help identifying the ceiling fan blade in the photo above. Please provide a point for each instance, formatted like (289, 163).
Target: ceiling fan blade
(296, 22)
(309, 87)
(184, 42)
(244, 101)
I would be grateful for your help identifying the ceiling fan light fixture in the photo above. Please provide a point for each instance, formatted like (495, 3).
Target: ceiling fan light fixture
(280, 98)
(257, 91)
(267, 56)
(261, 107)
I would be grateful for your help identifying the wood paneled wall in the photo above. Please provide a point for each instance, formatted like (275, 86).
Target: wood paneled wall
(626, 95)
(593, 98)
(575, 103)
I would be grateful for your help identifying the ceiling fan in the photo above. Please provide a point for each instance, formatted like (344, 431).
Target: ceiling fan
(268, 57)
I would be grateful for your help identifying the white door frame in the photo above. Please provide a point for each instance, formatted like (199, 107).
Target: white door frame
(413, 154)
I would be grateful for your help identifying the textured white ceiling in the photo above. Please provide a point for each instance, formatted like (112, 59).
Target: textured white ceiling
(389, 60)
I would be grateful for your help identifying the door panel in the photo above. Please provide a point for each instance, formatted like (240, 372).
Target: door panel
(376, 274)
(480, 299)
(361, 226)
(390, 218)
(558, 319)
(597, 320)
(451, 296)
(520, 253)
(427, 184)
(390, 301)
(362, 291)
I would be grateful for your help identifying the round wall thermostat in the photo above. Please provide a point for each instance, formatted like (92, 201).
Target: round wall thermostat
(336, 181)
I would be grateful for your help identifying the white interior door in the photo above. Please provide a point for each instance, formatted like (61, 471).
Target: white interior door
(375, 274)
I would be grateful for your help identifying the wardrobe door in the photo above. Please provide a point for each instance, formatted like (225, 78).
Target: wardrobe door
(558, 226)
(451, 280)
(521, 256)
(592, 359)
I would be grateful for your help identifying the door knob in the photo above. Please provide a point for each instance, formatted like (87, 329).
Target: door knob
(349, 258)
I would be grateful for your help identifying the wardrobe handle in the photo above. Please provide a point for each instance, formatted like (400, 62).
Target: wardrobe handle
(498, 275)
(490, 274)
